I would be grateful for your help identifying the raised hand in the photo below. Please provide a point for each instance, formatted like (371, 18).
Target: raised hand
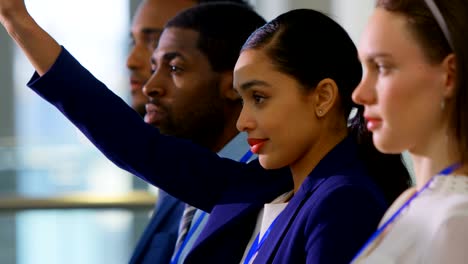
(11, 10)
(40, 48)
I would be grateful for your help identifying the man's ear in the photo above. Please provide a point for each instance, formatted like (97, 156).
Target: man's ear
(226, 86)
(325, 96)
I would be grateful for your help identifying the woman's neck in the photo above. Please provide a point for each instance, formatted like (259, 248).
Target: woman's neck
(431, 159)
(303, 167)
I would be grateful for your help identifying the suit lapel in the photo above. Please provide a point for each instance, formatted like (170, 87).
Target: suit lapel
(225, 216)
(158, 217)
(233, 219)
(327, 167)
(285, 220)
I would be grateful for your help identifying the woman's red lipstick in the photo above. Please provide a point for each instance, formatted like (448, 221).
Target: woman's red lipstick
(256, 144)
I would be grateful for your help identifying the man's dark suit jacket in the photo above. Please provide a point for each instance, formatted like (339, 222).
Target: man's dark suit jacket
(157, 242)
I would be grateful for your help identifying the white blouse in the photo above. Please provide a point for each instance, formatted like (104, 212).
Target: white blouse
(432, 229)
(265, 218)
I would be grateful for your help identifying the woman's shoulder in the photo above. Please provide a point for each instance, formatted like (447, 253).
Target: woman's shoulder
(449, 223)
(448, 194)
(448, 197)
(342, 193)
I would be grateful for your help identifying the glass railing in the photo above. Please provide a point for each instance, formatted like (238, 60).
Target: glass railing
(67, 205)
(72, 236)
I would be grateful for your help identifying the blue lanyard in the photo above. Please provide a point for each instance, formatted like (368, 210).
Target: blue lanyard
(193, 228)
(256, 245)
(246, 156)
(187, 238)
(379, 231)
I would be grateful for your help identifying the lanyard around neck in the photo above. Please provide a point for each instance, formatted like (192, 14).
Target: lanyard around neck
(448, 170)
(256, 245)
(187, 238)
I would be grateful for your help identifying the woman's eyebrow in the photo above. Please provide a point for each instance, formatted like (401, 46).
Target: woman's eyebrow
(248, 85)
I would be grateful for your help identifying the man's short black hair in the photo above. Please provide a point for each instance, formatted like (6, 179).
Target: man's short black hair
(223, 28)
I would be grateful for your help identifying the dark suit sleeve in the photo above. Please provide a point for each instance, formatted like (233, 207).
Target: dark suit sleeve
(347, 218)
(191, 173)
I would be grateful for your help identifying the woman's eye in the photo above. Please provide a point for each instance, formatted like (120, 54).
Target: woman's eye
(382, 68)
(258, 98)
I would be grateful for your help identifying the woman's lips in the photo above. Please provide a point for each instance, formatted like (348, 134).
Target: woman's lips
(373, 123)
(256, 144)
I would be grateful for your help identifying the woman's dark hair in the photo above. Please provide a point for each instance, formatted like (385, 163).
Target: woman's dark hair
(223, 27)
(310, 46)
(427, 32)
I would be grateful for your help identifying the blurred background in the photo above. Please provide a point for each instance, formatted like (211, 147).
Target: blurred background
(60, 199)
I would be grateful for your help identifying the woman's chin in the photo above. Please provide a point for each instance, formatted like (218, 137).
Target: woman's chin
(269, 164)
(388, 146)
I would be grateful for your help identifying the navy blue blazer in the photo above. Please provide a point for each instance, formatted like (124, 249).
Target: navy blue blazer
(157, 242)
(156, 245)
(329, 218)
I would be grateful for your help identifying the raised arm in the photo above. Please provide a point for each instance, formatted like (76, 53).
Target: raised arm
(191, 173)
(40, 48)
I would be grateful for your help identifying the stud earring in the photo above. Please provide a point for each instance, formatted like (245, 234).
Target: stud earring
(442, 104)
(320, 112)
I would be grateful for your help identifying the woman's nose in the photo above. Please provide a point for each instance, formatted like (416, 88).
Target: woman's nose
(245, 120)
(364, 94)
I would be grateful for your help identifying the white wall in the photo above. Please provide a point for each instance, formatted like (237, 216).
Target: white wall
(269, 9)
(351, 14)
